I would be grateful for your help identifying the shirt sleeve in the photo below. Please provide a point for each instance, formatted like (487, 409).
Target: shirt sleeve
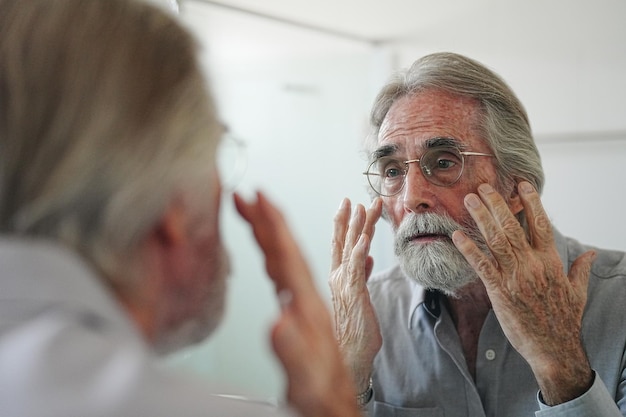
(595, 402)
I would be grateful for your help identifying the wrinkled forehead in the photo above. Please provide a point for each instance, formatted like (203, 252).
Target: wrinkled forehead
(403, 149)
(427, 119)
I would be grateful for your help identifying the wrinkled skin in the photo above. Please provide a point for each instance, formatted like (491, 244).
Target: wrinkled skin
(356, 325)
(539, 307)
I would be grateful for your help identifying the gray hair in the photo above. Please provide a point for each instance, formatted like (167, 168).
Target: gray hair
(105, 117)
(504, 123)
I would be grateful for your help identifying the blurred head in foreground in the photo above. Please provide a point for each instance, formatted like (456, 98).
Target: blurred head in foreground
(107, 146)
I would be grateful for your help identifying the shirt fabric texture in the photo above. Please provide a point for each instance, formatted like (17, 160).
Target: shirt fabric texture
(421, 370)
(67, 349)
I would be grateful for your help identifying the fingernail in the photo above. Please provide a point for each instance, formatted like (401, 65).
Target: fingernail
(525, 187)
(458, 237)
(343, 203)
(471, 200)
(485, 188)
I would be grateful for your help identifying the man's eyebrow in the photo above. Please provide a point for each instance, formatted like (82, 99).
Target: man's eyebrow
(383, 151)
(442, 141)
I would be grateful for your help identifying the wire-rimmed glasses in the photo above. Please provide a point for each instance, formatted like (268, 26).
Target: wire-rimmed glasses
(232, 161)
(442, 166)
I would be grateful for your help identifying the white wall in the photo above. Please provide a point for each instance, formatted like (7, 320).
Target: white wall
(303, 110)
(585, 193)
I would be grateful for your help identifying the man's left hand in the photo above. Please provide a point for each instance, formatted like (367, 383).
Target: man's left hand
(539, 307)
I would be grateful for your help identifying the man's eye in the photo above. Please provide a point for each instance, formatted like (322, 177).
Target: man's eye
(392, 169)
(392, 172)
(445, 164)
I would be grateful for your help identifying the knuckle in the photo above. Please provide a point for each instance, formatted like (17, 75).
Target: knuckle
(483, 267)
(542, 223)
(499, 241)
(511, 225)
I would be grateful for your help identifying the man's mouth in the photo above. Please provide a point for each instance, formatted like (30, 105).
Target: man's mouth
(427, 237)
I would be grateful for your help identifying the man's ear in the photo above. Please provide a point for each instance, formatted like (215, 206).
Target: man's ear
(514, 200)
(171, 228)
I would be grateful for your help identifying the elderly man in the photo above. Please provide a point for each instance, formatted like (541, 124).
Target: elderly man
(491, 312)
(110, 248)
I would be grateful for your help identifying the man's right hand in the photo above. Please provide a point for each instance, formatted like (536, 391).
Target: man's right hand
(356, 326)
(318, 383)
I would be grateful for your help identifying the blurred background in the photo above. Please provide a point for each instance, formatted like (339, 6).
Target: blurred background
(295, 80)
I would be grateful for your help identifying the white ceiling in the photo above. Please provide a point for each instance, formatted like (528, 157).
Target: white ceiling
(566, 59)
(563, 31)
(419, 20)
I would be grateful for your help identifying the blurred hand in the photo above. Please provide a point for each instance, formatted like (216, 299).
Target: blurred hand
(318, 382)
(539, 307)
(356, 326)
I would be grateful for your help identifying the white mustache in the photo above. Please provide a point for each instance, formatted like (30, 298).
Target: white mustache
(425, 224)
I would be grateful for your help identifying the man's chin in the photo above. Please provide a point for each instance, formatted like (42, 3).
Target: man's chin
(456, 291)
(194, 329)
(449, 276)
(450, 289)
(186, 335)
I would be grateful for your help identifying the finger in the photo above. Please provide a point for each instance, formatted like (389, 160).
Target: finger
(580, 270)
(369, 267)
(540, 227)
(243, 208)
(503, 217)
(339, 233)
(284, 261)
(494, 236)
(372, 216)
(358, 260)
(354, 231)
(477, 259)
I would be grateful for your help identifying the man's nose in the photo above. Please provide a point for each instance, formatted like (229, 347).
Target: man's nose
(418, 194)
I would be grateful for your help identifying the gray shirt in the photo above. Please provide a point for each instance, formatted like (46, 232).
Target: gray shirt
(421, 370)
(67, 349)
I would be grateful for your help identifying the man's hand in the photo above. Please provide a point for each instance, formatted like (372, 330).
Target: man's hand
(356, 325)
(539, 307)
(319, 384)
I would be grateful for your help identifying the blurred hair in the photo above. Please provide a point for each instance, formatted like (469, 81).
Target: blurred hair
(104, 117)
(503, 122)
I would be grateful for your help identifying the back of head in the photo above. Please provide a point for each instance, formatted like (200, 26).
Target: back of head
(103, 116)
(504, 122)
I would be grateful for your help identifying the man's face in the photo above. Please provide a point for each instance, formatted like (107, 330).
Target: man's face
(423, 215)
(198, 294)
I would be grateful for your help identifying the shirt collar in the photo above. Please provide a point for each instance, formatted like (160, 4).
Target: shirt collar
(429, 299)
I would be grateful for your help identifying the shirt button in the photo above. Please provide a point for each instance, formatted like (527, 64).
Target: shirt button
(490, 354)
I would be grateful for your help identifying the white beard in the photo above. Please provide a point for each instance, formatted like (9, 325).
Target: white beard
(435, 265)
(197, 328)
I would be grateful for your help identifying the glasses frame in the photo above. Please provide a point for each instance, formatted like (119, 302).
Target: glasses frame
(229, 182)
(423, 169)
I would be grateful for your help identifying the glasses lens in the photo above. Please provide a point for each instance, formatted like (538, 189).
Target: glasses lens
(442, 166)
(232, 161)
(386, 176)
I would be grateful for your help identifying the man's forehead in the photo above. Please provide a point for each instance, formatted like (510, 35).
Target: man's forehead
(424, 115)
(406, 146)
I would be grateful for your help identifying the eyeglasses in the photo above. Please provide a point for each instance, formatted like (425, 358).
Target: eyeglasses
(441, 166)
(232, 161)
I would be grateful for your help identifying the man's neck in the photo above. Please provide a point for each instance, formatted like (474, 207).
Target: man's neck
(469, 311)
